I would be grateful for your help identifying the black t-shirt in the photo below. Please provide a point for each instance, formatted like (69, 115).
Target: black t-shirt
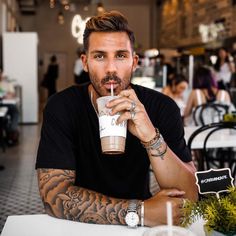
(70, 140)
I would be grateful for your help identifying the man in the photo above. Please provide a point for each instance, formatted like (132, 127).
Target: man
(52, 76)
(76, 180)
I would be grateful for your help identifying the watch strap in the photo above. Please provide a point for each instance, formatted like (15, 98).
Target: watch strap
(132, 206)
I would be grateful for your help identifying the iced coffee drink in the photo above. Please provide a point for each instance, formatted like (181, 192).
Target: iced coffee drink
(112, 135)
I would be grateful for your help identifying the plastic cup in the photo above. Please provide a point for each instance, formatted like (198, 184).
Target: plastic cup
(112, 136)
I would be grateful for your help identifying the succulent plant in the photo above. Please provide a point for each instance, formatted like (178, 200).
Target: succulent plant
(219, 214)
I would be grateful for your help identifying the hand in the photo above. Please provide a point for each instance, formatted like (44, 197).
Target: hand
(155, 207)
(139, 123)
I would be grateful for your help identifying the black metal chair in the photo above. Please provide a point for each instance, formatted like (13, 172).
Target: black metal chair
(215, 157)
(209, 113)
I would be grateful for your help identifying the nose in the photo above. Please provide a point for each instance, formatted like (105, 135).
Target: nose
(111, 66)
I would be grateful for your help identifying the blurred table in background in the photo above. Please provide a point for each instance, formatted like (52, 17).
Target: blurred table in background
(222, 138)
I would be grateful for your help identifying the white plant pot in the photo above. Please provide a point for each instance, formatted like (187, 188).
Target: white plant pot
(212, 232)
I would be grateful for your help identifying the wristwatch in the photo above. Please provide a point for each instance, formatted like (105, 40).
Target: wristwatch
(132, 218)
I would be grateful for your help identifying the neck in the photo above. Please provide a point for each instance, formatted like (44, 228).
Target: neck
(93, 96)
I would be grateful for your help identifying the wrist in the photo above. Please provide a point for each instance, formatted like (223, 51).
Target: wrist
(156, 147)
(155, 136)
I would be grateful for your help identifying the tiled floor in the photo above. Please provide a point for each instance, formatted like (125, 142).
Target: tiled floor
(18, 182)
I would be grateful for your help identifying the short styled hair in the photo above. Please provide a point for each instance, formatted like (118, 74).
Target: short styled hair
(112, 21)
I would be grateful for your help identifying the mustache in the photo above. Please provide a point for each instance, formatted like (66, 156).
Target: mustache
(111, 77)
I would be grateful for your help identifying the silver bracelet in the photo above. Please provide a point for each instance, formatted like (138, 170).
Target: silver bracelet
(142, 214)
(159, 153)
(157, 144)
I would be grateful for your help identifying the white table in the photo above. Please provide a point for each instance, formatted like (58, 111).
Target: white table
(44, 225)
(10, 101)
(222, 138)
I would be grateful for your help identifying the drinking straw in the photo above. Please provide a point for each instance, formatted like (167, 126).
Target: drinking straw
(169, 218)
(112, 90)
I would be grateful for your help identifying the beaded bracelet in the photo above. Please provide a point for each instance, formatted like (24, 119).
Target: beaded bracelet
(157, 144)
(153, 141)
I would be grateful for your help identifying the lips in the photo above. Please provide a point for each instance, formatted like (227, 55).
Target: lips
(108, 85)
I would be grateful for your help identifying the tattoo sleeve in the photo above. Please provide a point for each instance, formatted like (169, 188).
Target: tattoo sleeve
(62, 199)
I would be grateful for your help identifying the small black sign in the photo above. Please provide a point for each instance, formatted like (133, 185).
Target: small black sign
(214, 181)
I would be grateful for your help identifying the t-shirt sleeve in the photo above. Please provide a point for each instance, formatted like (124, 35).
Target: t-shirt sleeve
(171, 128)
(56, 143)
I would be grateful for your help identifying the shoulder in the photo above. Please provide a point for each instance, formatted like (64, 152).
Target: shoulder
(65, 100)
(154, 100)
(192, 93)
(223, 94)
(196, 92)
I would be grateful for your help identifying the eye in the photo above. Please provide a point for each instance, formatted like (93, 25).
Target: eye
(121, 56)
(99, 56)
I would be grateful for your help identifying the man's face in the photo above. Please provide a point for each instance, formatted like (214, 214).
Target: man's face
(109, 60)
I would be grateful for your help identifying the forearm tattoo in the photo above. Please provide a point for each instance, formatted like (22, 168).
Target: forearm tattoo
(64, 200)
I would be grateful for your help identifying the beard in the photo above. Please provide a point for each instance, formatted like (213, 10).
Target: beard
(98, 84)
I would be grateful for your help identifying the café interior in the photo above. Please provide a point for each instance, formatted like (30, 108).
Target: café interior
(179, 43)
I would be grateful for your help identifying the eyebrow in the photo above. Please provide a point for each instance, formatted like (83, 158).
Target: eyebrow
(119, 51)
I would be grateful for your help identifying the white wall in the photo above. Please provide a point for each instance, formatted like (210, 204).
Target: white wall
(20, 63)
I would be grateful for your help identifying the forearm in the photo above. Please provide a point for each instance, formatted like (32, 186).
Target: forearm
(171, 172)
(64, 200)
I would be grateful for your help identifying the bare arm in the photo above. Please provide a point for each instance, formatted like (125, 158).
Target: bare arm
(171, 172)
(62, 199)
(232, 67)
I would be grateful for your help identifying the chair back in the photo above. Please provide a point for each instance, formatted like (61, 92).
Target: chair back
(216, 157)
(209, 113)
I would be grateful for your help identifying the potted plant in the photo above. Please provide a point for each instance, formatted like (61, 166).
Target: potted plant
(219, 214)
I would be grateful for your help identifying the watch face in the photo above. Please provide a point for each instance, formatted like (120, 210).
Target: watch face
(132, 219)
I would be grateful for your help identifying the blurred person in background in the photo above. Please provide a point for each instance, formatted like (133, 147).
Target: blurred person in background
(224, 69)
(204, 91)
(176, 89)
(161, 61)
(80, 76)
(7, 91)
(51, 76)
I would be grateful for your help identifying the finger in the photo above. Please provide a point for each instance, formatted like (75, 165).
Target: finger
(127, 116)
(184, 201)
(122, 108)
(178, 214)
(128, 93)
(133, 106)
(119, 100)
(121, 105)
(175, 193)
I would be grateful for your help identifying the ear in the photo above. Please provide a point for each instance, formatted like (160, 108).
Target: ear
(84, 61)
(135, 61)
